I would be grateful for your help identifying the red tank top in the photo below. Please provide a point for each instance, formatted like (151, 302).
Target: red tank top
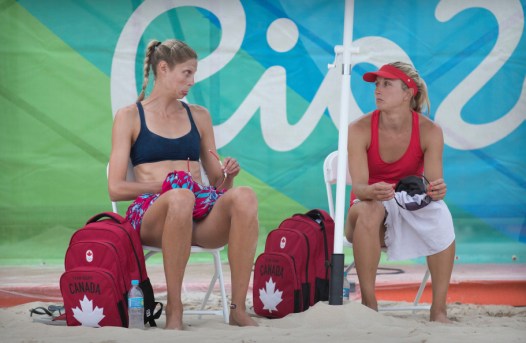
(411, 162)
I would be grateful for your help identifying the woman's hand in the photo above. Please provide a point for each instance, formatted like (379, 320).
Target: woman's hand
(231, 167)
(382, 191)
(437, 189)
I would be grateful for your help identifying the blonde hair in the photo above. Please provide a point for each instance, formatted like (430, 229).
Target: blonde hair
(419, 102)
(172, 51)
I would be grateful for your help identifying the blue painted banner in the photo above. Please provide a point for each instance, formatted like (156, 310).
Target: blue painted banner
(263, 73)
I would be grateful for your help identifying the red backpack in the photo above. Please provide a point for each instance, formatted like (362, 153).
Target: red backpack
(101, 260)
(293, 272)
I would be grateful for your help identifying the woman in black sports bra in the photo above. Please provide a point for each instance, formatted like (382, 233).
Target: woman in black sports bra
(165, 139)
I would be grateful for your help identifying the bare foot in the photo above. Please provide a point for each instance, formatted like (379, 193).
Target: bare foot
(439, 316)
(239, 317)
(174, 319)
(373, 304)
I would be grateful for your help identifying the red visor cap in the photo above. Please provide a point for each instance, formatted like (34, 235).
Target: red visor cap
(389, 72)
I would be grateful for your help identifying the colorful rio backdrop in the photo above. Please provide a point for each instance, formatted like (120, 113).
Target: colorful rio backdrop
(66, 66)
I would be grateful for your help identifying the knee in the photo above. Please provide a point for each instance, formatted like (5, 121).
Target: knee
(370, 215)
(348, 229)
(244, 200)
(245, 206)
(180, 201)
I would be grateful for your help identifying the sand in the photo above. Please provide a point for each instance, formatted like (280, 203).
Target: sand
(350, 322)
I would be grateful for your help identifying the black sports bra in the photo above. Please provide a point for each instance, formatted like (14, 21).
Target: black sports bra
(150, 147)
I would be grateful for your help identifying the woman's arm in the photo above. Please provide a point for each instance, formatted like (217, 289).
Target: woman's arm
(121, 141)
(214, 172)
(433, 147)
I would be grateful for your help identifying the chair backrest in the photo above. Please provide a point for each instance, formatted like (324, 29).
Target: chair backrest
(330, 174)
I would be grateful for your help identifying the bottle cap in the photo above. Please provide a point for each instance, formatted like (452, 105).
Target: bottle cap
(135, 282)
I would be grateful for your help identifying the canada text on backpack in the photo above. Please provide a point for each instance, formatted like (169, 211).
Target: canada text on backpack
(293, 271)
(101, 260)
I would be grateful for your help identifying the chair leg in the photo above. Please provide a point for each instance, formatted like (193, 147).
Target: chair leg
(421, 288)
(210, 288)
(348, 269)
(149, 253)
(218, 275)
(219, 272)
(415, 307)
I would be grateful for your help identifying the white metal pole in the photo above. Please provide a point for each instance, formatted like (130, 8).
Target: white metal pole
(344, 121)
(337, 263)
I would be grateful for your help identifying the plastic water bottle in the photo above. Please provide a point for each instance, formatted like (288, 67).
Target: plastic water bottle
(355, 294)
(353, 291)
(135, 307)
(346, 288)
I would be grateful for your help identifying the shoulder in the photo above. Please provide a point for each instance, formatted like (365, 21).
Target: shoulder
(198, 109)
(428, 127)
(361, 125)
(201, 117)
(430, 132)
(199, 112)
(126, 123)
(360, 132)
(127, 118)
(127, 113)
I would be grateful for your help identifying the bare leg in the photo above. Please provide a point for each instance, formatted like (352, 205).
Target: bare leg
(440, 266)
(168, 224)
(242, 244)
(365, 228)
(233, 220)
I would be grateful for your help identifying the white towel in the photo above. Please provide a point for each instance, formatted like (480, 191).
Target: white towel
(421, 232)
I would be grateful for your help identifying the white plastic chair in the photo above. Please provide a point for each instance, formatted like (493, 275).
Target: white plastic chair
(330, 168)
(218, 269)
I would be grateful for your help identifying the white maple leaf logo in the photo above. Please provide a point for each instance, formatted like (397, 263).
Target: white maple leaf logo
(270, 296)
(86, 315)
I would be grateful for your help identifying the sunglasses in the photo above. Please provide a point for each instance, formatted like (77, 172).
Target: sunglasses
(222, 167)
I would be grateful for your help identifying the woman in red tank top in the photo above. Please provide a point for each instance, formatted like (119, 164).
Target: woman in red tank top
(392, 142)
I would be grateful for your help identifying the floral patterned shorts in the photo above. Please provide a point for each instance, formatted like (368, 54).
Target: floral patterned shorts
(205, 197)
